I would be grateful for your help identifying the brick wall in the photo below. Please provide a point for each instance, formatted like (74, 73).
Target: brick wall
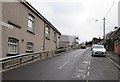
(117, 48)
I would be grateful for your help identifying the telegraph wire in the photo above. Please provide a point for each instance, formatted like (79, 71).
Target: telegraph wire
(110, 8)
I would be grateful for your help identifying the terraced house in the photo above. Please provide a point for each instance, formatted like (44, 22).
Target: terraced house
(25, 30)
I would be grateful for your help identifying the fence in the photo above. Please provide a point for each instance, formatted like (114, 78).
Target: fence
(15, 61)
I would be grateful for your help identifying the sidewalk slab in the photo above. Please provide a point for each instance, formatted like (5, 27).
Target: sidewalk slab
(114, 57)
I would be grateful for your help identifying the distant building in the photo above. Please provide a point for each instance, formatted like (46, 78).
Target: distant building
(64, 41)
(68, 41)
(25, 30)
(96, 40)
(74, 41)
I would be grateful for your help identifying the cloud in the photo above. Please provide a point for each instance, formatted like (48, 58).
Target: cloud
(77, 17)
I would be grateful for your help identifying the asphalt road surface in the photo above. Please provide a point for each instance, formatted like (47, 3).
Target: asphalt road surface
(74, 65)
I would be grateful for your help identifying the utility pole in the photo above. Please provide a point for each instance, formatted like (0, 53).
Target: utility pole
(1, 37)
(103, 30)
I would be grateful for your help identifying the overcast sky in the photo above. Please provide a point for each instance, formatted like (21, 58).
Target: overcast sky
(77, 17)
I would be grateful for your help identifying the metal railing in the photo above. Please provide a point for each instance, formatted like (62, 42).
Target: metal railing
(22, 59)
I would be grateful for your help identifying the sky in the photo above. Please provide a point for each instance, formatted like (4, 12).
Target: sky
(77, 17)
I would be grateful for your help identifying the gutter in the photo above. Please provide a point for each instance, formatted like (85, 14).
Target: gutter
(113, 62)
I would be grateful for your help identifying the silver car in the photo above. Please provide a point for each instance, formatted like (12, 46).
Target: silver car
(98, 50)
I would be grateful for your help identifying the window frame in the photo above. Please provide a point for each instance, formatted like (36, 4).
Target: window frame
(55, 37)
(31, 20)
(47, 32)
(30, 45)
(14, 45)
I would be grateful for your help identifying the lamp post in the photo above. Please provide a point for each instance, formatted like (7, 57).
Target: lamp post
(103, 29)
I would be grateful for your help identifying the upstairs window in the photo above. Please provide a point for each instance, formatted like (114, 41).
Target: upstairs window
(47, 32)
(12, 46)
(55, 37)
(31, 23)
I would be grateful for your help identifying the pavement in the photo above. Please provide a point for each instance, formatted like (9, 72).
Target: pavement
(114, 58)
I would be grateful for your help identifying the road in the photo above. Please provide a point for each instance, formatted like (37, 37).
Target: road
(74, 65)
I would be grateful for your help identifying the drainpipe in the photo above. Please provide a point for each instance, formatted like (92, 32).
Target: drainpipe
(44, 38)
(0, 36)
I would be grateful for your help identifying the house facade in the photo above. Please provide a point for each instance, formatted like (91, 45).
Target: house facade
(117, 41)
(25, 30)
(109, 43)
(113, 41)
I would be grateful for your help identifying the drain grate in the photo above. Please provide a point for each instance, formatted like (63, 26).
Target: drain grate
(79, 73)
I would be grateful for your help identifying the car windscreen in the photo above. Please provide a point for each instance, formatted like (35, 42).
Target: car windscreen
(98, 46)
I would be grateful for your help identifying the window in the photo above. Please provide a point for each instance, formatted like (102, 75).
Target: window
(30, 23)
(47, 32)
(55, 37)
(12, 46)
(118, 33)
(29, 46)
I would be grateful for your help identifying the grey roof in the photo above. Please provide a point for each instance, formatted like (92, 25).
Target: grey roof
(112, 33)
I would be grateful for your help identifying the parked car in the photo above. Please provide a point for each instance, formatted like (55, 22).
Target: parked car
(98, 50)
(83, 46)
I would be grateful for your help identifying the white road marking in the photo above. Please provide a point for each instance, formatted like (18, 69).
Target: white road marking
(88, 73)
(63, 65)
(83, 76)
(88, 67)
(89, 63)
(75, 56)
(85, 62)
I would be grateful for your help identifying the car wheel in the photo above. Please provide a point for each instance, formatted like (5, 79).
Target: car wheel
(92, 54)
